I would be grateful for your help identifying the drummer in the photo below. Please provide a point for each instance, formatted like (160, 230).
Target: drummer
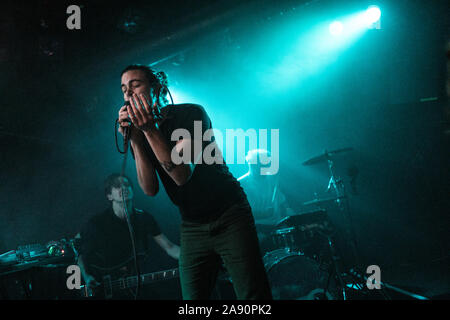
(269, 204)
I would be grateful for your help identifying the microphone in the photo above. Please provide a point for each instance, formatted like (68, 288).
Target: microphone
(126, 131)
(127, 103)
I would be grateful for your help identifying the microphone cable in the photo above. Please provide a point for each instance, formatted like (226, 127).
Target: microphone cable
(124, 204)
(131, 231)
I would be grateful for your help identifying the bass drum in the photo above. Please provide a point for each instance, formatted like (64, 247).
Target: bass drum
(293, 276)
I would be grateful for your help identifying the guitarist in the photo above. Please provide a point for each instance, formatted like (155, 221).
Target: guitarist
(105, 244)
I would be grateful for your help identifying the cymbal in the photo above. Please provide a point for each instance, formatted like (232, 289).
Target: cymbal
(321, 201)
(325, 156)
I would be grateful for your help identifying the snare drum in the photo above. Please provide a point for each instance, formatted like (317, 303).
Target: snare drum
(308, 239)
(287, 239)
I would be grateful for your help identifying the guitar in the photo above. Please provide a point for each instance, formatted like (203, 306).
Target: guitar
(109, 287)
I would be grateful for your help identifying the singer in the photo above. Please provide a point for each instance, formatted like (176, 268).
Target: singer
(217, 222)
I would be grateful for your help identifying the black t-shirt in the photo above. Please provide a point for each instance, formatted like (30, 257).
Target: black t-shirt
(106, 242)
(212, 188)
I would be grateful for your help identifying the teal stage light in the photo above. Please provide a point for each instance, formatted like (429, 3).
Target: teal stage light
(371, 17)
(373, 14)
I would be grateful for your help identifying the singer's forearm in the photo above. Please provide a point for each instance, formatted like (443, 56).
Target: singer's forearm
(181, 173)
(146, 172)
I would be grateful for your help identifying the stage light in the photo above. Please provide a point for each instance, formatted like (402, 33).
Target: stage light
(320, 45)
(336, 28)
(372, 15)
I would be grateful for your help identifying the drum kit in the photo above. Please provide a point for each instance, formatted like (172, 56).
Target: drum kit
(304, 264)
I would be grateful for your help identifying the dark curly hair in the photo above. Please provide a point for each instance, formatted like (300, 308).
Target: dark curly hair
(157, 80)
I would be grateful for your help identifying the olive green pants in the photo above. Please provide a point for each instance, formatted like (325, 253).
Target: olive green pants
(232, 239)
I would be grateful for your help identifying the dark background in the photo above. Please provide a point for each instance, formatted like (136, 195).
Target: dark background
(60, 96)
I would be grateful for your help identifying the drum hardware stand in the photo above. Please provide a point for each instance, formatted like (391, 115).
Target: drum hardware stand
(334, 267)
(338, 184)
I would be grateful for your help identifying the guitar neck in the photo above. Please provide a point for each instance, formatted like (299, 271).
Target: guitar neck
(132, 282)
(160, 275)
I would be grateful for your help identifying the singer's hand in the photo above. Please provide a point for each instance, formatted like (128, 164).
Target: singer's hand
(141, 113)
(123, 117)
(124, 121)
